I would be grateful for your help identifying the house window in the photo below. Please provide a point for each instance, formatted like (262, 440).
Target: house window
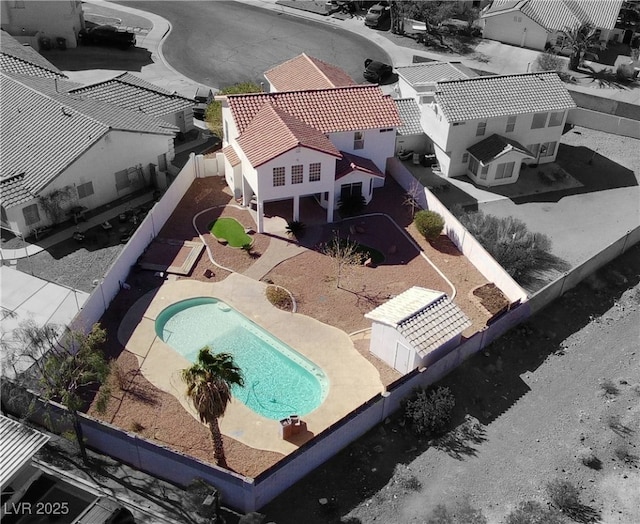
(556, 118)
(350, 190)
(31, 214)
(482, 127)
(358, 140)
(297, 174)
(548, 149)
(465, 158)
(85, 190)
(504, 170)
(534, 148)
(122, 180)
(473, 165)
(278, 176)
(314, 172)
(386, 130)
(483, 172)
(539, 120)
(511, 124)
(517, 19)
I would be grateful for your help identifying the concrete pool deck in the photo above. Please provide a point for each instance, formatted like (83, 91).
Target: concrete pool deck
(352, 379)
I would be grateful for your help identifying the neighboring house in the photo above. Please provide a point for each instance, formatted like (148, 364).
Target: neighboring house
(536, 24)
(71, 151)
(486, 127)
(418, 81)
(416, 328)
(306, 72)
(38, 23)
(22, 59)
(329, 144)
(134, 94)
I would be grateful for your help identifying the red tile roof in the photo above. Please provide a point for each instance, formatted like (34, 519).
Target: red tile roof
(273, 131)
(306, 72)
(350, 162)
(492, 96)
(327, 110)
(231, 155)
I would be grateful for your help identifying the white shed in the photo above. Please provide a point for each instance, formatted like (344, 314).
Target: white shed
(416, 328)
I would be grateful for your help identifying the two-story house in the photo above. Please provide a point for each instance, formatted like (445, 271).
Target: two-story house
(538, 23)
(306, 72)
(486, 127)
(328, 144)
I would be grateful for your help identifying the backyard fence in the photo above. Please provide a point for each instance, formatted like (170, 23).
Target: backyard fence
(458, 234)
(616, 125)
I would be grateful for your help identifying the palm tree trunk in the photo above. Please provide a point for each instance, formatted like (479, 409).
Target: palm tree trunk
(218, 448)
(77, 428)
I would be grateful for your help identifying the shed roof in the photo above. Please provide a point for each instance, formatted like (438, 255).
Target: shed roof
(560, 14)
(18, 444)
(425, 318)
(306, 72)
(431, 72)
(501, 95)
(495, 146)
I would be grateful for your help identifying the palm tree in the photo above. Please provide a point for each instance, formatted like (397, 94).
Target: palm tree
(580, 39)
(209, 383)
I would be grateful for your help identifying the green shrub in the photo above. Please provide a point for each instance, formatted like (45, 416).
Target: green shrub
(429, 224)
(563, 495)
(351, 205)
(430, 411)
(296, 229)
(279, 297)
(532, 512)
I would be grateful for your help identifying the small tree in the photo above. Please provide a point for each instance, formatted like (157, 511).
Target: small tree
(580, 39)
(430, 410)
(412, 197)
(429, 224)
(54, 201)
(432, 14)
(343, 252)
(66, 364)
(213, 113)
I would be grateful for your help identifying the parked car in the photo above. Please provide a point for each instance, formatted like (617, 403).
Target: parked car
(376, 72)
(377, 15)
(107, 35)
(203, 98)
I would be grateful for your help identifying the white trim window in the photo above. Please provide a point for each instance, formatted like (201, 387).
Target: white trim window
(358, 140)
(297, 174)
(511, 124)
(556, 119)
(539, 120)
(482, 129)
(548, 149)
(483, 172)
(278, 176)
(504, 170)
(473, 165)
(31, 214)
(85, 190)
(314, 171)
(465, 158)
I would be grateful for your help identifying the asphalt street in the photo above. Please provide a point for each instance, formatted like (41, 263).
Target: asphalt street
(223, 43)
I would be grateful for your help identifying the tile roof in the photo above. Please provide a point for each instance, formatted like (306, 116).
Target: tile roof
(132, 93)
(232, 155)
(493, 96)
(350, 162)
(18, 444)
(273, 131)
(410, 115)
(426, 318)
(431, 72)
(23, 59)
(306, 72)
(494, 146)
(67, 126)
(327, 110)
(560, 14)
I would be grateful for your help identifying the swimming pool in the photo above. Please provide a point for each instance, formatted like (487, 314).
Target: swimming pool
(279, 381)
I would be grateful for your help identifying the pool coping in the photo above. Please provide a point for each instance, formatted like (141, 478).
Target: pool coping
(352, 379)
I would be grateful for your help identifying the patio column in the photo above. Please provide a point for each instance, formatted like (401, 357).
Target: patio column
(330, 203)
(247, 192)
(260, 213)
(296, 208)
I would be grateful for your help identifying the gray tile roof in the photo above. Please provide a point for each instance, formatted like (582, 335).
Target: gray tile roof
(18, 444)
(42, 132)
(132, 93)
(425, 318)
(410, 115)
(21, 59)
(430, 72)
(494, 146)
(494, 96)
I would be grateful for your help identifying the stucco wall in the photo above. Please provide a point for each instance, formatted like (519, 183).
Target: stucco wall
(516, 29)
(377, 146)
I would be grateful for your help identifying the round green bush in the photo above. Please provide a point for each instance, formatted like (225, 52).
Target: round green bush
(429, 224)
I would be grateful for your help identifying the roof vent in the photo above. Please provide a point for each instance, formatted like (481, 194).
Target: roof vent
(65, 111)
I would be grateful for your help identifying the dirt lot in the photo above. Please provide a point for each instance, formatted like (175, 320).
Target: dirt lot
(562, 386)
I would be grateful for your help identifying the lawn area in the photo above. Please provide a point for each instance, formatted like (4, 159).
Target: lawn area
(231, 230)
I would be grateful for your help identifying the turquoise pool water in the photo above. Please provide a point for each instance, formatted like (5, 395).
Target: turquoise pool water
(279, 381)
